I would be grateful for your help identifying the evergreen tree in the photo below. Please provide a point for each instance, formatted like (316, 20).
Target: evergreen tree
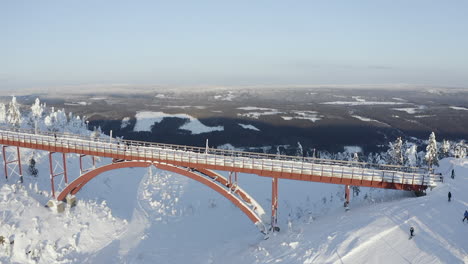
(2, 113)
(460, 150)
(411, 157)
(14, 114)
(445, 149)
(300, 150)
(395, 152)
(36, 114)
(32, 167)
(431, 151)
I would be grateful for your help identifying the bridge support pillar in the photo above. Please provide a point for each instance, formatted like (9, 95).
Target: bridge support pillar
(9, 160)
(53, 174)
(274, 205)
(232, 181)
(347, 197)
(93, 160)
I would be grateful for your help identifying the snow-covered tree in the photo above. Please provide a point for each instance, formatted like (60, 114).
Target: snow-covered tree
(300, 150)
(356, 157)
(395, 152)
(431, 151)
(96, 133)
(411, 157)
(36, 114)
(460, 150)
(2, 113)
(32, 170)
(56, 120)
(37, 109)
(444, 149)
(14, 114)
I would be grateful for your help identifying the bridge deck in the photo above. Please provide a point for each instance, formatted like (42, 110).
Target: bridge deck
(280, 166)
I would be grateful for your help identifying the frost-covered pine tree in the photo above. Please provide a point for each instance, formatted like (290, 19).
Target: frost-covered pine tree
(2, 113)
(14, 114)
(431, 151)
(96, 133)
(460, 150)
(300, 150)
(411, 155)
(444, 149)
(395, 152)
(36, 113)
(355, 157)
(32, 170)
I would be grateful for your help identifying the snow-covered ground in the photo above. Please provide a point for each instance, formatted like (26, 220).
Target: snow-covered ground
(151, 216)
(459, 108)
(261, 111)
(146, 119)
(356, 103)
(411, 110)
(366, 119)
(251, 127)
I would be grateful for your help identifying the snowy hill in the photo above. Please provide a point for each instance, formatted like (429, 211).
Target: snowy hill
(152, 216)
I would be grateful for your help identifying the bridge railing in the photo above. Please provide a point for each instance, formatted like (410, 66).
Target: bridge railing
(197, 155)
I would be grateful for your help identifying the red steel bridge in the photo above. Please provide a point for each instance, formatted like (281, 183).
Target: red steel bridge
(201, 165)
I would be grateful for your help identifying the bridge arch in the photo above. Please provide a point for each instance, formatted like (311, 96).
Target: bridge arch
(206, 177)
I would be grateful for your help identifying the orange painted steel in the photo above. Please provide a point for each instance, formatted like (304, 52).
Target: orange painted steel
(81, 181)
(260, 172)
(199, 163)
(274, 204)
(6, 163)
(75, 186)
(282, 167)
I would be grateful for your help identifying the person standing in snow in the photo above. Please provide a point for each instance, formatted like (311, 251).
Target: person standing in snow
(411, 230)
(453, 174)
(466, 216)
(449, 196)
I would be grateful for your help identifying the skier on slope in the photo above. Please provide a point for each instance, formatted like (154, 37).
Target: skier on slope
(466, 216)
(411, 230)
(449, 196)
(453, 174)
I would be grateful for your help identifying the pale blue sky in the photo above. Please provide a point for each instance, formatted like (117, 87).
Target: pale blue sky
(54, 43)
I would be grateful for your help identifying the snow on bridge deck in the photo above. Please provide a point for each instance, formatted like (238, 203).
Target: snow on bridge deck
(275, 166)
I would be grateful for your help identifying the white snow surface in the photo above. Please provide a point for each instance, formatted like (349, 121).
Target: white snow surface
(459, 108)
(146, 119)
(356, 103)
(125, 122)
(150, 216)
(145, 215)
(366, 119)
(251, 127)
(352, 149)
(312, 116)
(409, 110)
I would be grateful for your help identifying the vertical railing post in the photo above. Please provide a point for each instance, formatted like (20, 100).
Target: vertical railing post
(347, 196)
(5, 164)
(64, 157)
(274, 205)
(19, 164)
(51, 174)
